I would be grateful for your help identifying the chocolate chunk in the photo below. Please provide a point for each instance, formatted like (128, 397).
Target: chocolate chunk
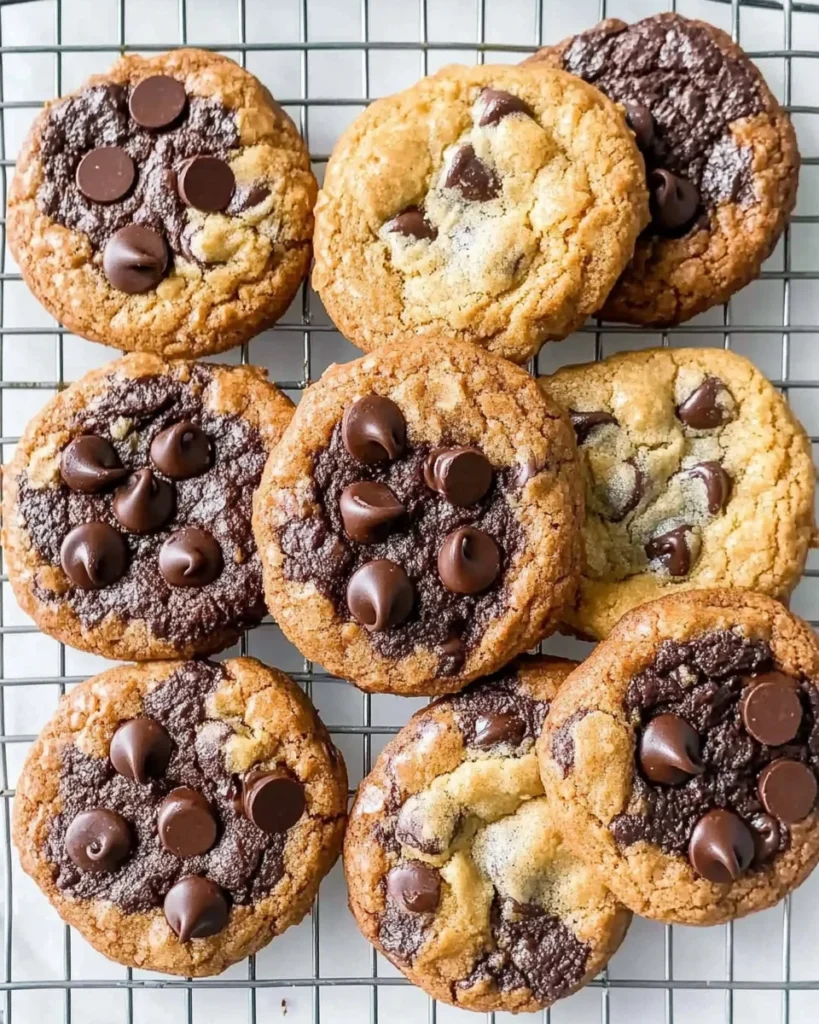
(585, 422)
(380, 595)
(98, 840)
(135, 259)
(246, 200)
(453, 656)
(158, 101)
(186, 823)
(272, 801)
(639, 119)
(144, 502)
(462, 475)
(415, 886)
(721, 847)
(770, 709)
(374, 430)
(499, 727)
(674, 201)
(196, 908)
(717, 484)
(526, 471)
(190, 558)
(468, 561)
(181, 451)
(206, 183)
(90, 463)
(369, 511)
(672, 550)
(623, 501)
(140, 750)
(670, 750)
(702, 409)
(106, 174)
(93, 556)
(787, 790)
(767, 837)
(470, 176)
(413, 223)
(497, 104)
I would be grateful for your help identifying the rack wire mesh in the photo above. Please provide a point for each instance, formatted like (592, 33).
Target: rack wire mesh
(734, 981)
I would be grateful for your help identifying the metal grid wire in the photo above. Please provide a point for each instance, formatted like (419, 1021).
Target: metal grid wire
(307, 326)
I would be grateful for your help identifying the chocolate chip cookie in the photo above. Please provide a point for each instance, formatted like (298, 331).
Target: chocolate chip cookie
(696, 472)
(127, 507)
(419, 523)
(721, 158)
(455, 869)
(166, 206)
(492, 204)
(182, 814)
(681, 758)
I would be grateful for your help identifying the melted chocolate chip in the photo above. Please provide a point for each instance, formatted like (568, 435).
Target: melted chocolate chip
(190, 558)
(771, 710)
(623, 501)
(369, 511)
(585, 422)
(469, 175)
(274, 802)
(415, 887)
(674, 201)
(90, 463)
(94, 556)
(374, 430)
(140, 750)
(196, 908)
(453, 656)
(462, 475)
(639, 119)
(497, 709)
(181, 451)
(672, 550)
(468, 561)
(717, 485)
(499, 727)
(497, 104)
(702, 410)
(206, 183)
(187, 826)
(526, 471)
(144, 503)
(766, 837)
(135, 259)
(380, 595)
(106, 174)
(787, 790)
(722, 847)
(413, 223)
(98, 840)
(670, 750)
(158, 101)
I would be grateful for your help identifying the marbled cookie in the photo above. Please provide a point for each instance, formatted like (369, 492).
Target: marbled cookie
(455, 869)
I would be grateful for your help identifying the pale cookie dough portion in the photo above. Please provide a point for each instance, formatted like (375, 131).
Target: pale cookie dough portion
(501, 217)
(696, 473)
(224, 727)
(455, 869)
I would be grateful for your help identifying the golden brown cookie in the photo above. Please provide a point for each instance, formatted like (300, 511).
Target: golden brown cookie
(492, 204)
(419, 523)
(696, 474)
(166, 206)
(681, 758)
(127, 507)
(721, 157)
(182, 814)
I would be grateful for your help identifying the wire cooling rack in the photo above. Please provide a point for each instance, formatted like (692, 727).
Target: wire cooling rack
(324, 59)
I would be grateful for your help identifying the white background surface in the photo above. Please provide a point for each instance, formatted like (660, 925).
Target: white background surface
(753, 950)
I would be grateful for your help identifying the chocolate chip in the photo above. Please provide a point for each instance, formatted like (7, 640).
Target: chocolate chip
(196, 908)
(673, 550)
(144, 502)
(374, 430)
(497, 104)
(415, 886)
(624, 500)
(90, 463)
(526, 471)
(498, 727)
(413, 223)
(93, 556)
(157, 102)
(249, 198)
(639, 119)
(369, 511)
(702, 409)
(462, 475)
(453, 656)
(98, 840)
(186, 823)
(106, 174)
(190, 558)
(585, 422)
(140, 750)
(674, 201)
(670, 750)
(272, 801)
(787, 790)
(721, 847)
(181, 451)
(380, 595)
(135, 259)
(470, 176)
(717, 484)
(468, 561)
(206, 183)
(766, 837)
(770, 709)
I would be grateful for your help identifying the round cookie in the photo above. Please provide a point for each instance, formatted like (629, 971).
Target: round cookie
(455, 870)
(181, 814)
(127, 507)
(721, 157)
(166, 206)
(419, 523)
(696, 474)
(681, 758)
(492, 204)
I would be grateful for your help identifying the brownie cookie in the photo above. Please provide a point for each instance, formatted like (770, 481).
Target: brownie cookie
(493, 204)
(720, 152)
(181, 814)
(166, 206)
(419, 523)
(681, 758)
(696, 472)
(127, 507)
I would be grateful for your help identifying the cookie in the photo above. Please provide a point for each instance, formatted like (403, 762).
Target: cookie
(721, 159)
(455, 870)
(492, 204)
(165, 207)
(181, 814)
(127, 507)
(696, 474)
(681, 758)
(419, 523)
